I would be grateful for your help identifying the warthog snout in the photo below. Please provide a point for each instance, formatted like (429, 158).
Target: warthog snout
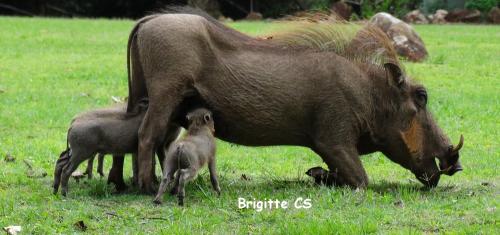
(449, 164)
(430, 177)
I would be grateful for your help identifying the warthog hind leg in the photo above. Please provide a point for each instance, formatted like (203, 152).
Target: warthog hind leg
(184, 176)
(156, 124)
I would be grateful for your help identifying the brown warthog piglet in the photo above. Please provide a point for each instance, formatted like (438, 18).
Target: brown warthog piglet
(112, 132)
(190, 154)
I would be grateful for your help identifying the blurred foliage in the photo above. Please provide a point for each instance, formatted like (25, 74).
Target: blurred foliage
(276, 9)
(481, 5)
(431, 6)
(321, 5)
(236, 9)
(88, 8)
(397, 8)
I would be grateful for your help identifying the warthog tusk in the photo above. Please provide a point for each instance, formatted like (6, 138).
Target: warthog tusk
(445, 170)
(454, 150)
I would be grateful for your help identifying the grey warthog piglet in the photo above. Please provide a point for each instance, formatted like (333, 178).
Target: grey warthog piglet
(97, 113)
(104, 131)
(190, 154)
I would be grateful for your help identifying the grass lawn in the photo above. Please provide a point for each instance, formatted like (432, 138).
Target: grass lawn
(52, 69)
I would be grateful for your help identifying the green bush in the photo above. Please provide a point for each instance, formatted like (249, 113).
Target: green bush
(321, 4)
(431, 6)
(481, 5)
(397, 8)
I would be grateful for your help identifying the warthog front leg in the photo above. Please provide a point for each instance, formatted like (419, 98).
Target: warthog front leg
(213, 176)
(115, 175)
(90, 168)
(344, 164)
(100, 164)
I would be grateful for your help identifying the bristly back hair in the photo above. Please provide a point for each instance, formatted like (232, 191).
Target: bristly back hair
(366, 44)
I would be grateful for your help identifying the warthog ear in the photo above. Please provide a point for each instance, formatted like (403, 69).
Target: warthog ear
(394, 73)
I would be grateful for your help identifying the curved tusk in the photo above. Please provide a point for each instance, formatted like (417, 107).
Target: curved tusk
(455, 149)
(445, 171)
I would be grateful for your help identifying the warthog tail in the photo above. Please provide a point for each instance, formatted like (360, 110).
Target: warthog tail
(138, 90)
(61, 162)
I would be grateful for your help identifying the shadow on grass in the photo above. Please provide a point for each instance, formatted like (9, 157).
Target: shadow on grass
(263, 186)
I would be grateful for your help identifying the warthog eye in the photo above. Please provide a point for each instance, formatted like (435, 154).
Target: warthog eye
(421, 94)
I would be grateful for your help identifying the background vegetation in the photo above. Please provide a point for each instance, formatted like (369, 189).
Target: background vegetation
(52, 69)
(235, 9)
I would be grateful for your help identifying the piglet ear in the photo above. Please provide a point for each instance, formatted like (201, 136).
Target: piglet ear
(394, 74)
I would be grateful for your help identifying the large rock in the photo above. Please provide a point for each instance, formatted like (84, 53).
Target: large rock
(439, 17)
(494, 15)
(342, 9)
(415, 17)
(404, 38)
(464, 15)
(254, 16)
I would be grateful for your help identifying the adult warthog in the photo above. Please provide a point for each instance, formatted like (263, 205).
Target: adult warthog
(342, 97)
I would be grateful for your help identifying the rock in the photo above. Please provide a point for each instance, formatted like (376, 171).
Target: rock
(77, 175)
(439, 17)
(31, 172)
(342, 9)
(254, 16)
(399, 203)
(80, 225)
(415, 17)
(225, 19)
(494, 15)
(404, 38)
(464, 15)
(245, 177)
(118, 100)
(9, 158)
(13, 229)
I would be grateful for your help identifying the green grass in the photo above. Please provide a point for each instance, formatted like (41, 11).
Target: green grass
(52, 69)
